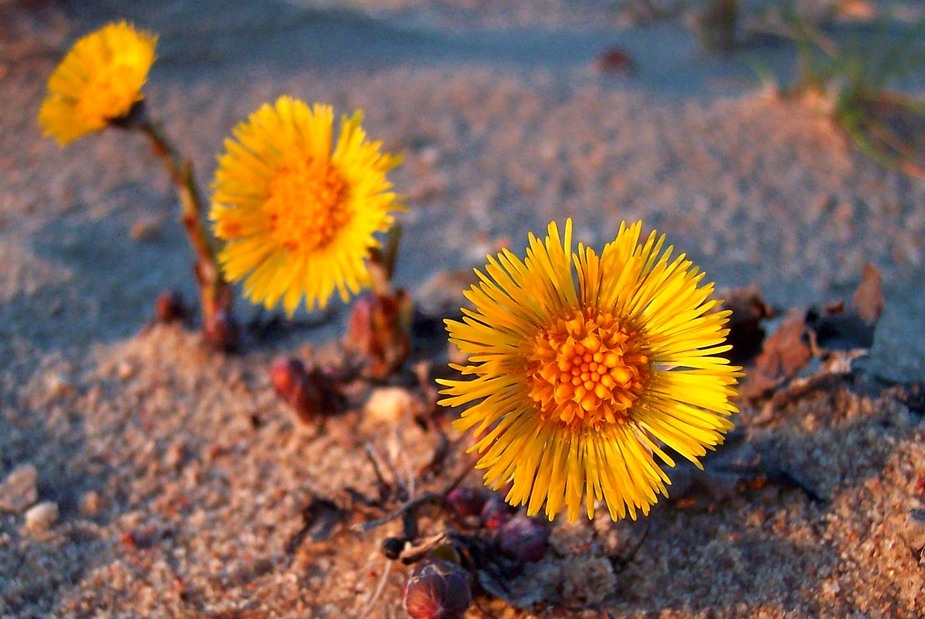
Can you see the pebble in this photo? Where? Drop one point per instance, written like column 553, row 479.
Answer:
column 40, row 518
column 389, row 404
column 91, row 503
column 19, row 490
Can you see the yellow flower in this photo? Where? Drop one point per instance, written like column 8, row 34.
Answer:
column 587, row 368
column 300, row 219
column 98, row 81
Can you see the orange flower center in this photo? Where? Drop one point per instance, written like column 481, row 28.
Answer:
column 307, row 205
column 587, row 370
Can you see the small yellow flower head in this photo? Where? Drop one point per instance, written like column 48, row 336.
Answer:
column 300, row 219
column 586, row 368
column 98, row 81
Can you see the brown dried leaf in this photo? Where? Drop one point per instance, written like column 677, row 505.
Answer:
column 746, row 334
column 785, row 353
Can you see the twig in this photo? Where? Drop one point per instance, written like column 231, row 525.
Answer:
column 371, row 604
column 421, row 499
column 383, row 484
column 427, row 497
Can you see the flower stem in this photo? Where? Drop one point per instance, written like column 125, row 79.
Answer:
column 215, row 294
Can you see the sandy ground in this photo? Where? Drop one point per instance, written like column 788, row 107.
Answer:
column 179, row 479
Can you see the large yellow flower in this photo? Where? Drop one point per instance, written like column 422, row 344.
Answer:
column 300, row 219
column 586, row 368
column 98, row 81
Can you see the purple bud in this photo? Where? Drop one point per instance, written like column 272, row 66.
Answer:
column 437, row 590
column 465, row 502
column 523, row 538
column 495, row 513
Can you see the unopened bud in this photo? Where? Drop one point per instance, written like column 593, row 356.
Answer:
column 379, row 330
column 294, row 386
column 437, row 590
column 495, row 513
column 169, row 307
column 523, row 538
column 222, row 331
column 465, row 502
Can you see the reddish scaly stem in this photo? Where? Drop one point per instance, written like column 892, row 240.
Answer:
column 216, row 295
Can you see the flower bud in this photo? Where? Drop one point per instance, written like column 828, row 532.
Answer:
column 292, row 384
column 523, row 538
column 379, row 330
column 437, row 590
column 222, row 331
column 169, row 307
column 495, row 513
column 309, row 393
column 465, row 502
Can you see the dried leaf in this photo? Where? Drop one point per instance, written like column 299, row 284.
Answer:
column 785, row 353
column 746, row 334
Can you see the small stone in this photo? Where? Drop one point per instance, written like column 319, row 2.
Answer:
column 174, row 456
column 389, row 404
column 41, row 517
column 125, row 370
column 19, row 490
column 91, row 503
column 58, row 386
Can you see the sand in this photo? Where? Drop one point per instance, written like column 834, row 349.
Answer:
column 179, row 481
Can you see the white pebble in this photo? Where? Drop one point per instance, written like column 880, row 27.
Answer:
column 41, row 517
column 389, row 404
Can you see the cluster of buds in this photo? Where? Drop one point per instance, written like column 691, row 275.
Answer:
column 518, row 537
column 438, row 587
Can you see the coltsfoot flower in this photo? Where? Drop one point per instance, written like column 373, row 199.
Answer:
column 97, row 82
column 299, row 219
column 585, row 368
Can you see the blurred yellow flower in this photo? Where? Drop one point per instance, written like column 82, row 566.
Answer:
column 299, row 219
column 586, row 368
column 98, row 81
